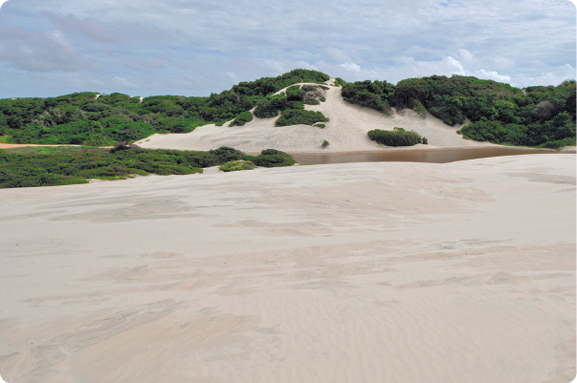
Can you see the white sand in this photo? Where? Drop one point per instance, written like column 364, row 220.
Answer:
column 360, row 272
column 346, row 131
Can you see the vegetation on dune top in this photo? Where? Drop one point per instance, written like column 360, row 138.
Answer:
column 93, row 120
column 535, row 116
column 500, row 113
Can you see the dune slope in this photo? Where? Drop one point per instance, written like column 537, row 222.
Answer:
column 360, row 272
column 346, row 130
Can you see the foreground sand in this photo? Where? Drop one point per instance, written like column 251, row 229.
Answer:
column 360, row 272
column 346, row 131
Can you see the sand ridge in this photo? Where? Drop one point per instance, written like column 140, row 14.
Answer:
column 346, row 130
column 359, row 272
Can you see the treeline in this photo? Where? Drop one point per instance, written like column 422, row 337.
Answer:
column 93, row 120
column 500, row 113
column 44, row 166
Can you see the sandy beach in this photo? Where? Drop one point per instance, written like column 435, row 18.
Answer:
column 357, row 272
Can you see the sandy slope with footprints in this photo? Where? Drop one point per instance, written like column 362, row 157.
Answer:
column 359, row 272
column 346, row 131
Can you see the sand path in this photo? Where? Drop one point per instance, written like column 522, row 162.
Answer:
column 359, row 272
column 346, row 131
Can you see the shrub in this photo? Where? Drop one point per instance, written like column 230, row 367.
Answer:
column 425, row 141
column 242, row 119
column 322, row 126
column 271, row 106
column 324, row 144
column 397, row 137
column 295, row 117
column 234, row 166
column 271, row 158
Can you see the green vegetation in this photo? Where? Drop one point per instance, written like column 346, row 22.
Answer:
column 325, row 144
column 541, row 116
column 43, row 166
column 234, row 166
column 242, row 119
column 296, row 116
column 318, row 124
column 93, row 120
column 270, row 106
column 370, row 94
column 396, row 137
column 270, row 158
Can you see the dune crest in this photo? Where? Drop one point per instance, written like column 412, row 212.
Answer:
column 346, row 131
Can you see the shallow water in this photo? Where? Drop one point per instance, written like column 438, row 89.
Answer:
column 440, row 155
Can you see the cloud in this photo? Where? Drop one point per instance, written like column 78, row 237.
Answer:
column 189, row 46
column 492, row 75
column 39, row 51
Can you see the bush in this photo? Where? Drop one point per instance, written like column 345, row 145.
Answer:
column 397, row 137
column 324, row 144
column 271, row 106
column 242, row 119
column 318, row 124
column 369, row 94
column 234, row 166
column 296, row 117
column 271, row 158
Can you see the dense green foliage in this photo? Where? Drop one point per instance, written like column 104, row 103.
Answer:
column 396, row 137
column 325, row 144
column 268, row 85
column 242, row 119
column 43, row 166
column 369, row 94
column 297, row 116
column 270, row 158
column 500, row 113
column 271, row 106
column 234, row 166
column 90, row 119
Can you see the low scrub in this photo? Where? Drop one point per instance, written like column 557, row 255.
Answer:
column 234, row 166
column 271, row 106
column 43, row 166
column 270, row 158
column 397, row 137
column 296, row 117
column 241, row 119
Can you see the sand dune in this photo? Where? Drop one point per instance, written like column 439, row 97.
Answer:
column 359, row 272
column 346, row 131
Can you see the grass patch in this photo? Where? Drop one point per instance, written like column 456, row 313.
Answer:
column 320, row 125
column 234, row 166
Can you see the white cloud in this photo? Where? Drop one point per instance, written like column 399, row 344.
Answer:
column 204, row 39
column 555, row 77
column 351, row 67
column 492, row 75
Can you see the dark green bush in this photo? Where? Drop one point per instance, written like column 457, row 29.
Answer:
column 397, row 137
column 39, row 166
column 369, row 94
column 242, row 119
column 295, row 117
column 271, row 158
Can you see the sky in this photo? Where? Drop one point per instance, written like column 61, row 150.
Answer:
column 199, row 47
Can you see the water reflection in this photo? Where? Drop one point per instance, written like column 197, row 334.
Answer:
column 440, row 155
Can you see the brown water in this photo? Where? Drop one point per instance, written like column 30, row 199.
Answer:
column 440, row 155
